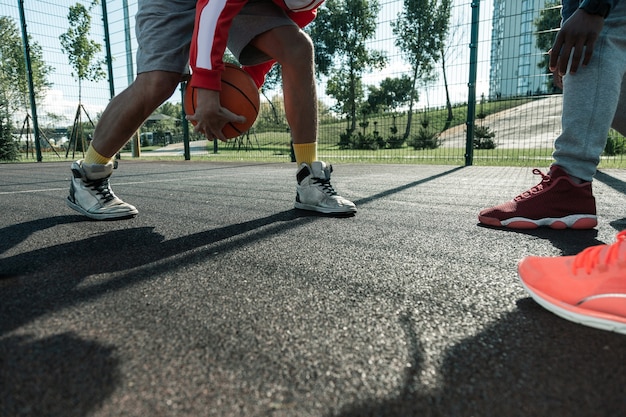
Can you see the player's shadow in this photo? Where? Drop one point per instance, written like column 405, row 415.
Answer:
column 528, row 363
column 15, row 234
column 47, row 279
column 37, row 376
column 57, row 376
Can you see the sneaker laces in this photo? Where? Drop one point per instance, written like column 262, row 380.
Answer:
column 102, row 188
column 545, row 180
column 601, row 255
column 324, row 184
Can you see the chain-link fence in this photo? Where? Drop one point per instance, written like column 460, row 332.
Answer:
column 486, row 99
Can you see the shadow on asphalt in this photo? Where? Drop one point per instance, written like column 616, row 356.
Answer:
column 615, row 183
column 404, row 187
column 36, row 373
column 505, row 369
column 568, row 241
column 491, row 373
column 67, row 264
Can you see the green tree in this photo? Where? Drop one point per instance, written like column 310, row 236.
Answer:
column 391, row 94
column 13, row 77
column 340, row 33
column 449, row 52
column 9, row 150
column 170, row 109
column 14, row 91
column 81, row 51
column 81, row 54
column 547, row 25
column 168, row 127
column 273, row 80
column 420, row 32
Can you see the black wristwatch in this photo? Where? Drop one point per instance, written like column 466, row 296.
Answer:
column 597, row 7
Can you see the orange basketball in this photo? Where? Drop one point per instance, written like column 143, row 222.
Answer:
column 239, row 95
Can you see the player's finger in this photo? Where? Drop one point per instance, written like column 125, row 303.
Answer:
column 576, row 57
column 554, row 53
column 589, row 50
column 561, row 66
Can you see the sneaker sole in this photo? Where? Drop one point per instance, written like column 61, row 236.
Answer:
column 579, row 222
column 589, row 318
column 325, row 210
column 95, row 216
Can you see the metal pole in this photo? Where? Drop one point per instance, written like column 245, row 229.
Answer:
column 187, row 151
column 29, row 74
column 107, row 42
column 130, row 72
column 471, row 99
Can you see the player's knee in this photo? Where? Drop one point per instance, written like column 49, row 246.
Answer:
column 157, row 85
column 297, row 51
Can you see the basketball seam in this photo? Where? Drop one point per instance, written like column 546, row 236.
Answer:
column 242, row 93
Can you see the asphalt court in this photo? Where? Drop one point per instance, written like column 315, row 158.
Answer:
column 220, row 299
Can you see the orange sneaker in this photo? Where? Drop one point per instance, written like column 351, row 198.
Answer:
column 589, row 288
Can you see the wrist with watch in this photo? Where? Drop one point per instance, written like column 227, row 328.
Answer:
column 597, row 7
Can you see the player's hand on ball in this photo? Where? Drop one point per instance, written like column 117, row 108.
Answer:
column 224, row 114
column 210, row 117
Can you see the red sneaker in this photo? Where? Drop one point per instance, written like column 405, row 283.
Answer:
column 555, row 202
column 589, row 288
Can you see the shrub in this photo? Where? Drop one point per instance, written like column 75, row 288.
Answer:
column 345, row 140
column 365, row 141
column 483, row 137
column 395, row 141
column 615, row 146
column 425, row 139
column 9, row 150
column 368, row 141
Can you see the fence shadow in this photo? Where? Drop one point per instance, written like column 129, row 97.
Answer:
column 615, row 183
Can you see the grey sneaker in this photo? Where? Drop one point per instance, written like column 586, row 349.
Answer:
column 315, row 193
column 91, row 194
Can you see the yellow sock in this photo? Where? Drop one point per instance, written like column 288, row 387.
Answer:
column 93, row 157
column 305, row 152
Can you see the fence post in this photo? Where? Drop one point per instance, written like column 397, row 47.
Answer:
column 186, row 150
column 107, row 43
column 471, row 86
column 29, row 73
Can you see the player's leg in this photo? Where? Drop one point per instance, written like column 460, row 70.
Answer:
column 164, row 31
column 591, row 98
column 128, row 110
column 619, row 121
column 262, row 32
column 293, row 49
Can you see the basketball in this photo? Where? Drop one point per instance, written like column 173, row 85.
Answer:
column 239, row 95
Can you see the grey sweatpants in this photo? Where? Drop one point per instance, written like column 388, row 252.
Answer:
column 594, row 100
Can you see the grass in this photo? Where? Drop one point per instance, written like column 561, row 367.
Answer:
column 272, row 146
column 276, row 152
column 539, row 157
